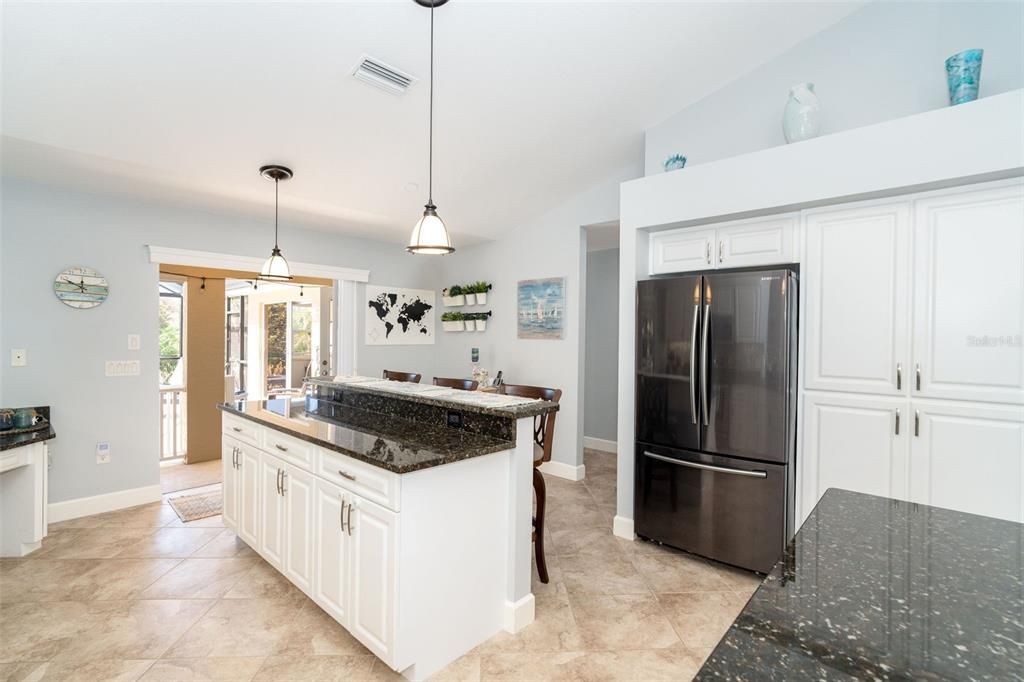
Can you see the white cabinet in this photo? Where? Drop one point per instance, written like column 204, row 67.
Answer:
column 330, row 574
column 299, row 489
column 271, row 505
column 742, row 243
column 765, row 241
column 969, row 457
column 249, row 495
column 681, row 250
column 856, row 284
column 969, row 295
column 372, row 549
column 229, row 482
column 854, row 442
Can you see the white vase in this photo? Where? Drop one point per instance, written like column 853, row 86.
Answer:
column 801, row 119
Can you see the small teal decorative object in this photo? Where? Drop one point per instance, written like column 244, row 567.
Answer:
column 963, row 74
column 674, row 162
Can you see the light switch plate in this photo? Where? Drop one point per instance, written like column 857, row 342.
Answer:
column 134, row 342
column 122, row 368
column 19, row 357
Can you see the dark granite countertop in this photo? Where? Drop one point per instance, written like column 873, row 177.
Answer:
column 387, row 441
column 465, row 401
column 873, row 588
column 9, row 441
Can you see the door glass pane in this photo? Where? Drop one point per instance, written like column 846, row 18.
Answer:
column 275, row 316
column 171, row 338
column 302, row 341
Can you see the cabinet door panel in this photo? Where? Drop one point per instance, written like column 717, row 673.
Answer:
column 249, row 495
column 331, row 575
column 767, row 241
column 856, row 282
column 299, row 497
column 851, row 442
column 969, row 457
column 682, row 250
column 271, row 544
column 372, row 546
column 229, row 478
column 969, row 295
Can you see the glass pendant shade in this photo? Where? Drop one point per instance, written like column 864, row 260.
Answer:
column 429, row 235
column 276, row 268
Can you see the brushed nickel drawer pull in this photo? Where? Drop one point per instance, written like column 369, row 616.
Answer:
column 917, row 422
column 708, row 467
column 281, row 447
column 917, row 371
column 345, row 474
column 897, row 421
column 236, row 429
column 341, row 516
column 350, row 507
column 899, row 376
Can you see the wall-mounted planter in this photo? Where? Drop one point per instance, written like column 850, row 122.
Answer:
column 454, row 301
column 456, row 326
column 481, row 325
column 481, row 299
column 470, row 299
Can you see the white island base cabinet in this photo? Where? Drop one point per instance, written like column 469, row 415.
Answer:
column 419, row 580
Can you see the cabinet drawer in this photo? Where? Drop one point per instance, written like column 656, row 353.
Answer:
column 293, row 450
column 242, row 429
column 372, row 483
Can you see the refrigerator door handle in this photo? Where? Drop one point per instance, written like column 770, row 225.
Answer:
column 693, row 364
column 707, row 467
column 704, row 364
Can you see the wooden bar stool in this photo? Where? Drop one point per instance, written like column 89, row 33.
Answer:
column 543, row 435
column 461, row 384
column 411, row 377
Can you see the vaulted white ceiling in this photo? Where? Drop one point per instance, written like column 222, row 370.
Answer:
column 183, row 101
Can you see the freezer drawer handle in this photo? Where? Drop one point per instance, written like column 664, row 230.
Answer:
column 693, row 364
column 708, row 467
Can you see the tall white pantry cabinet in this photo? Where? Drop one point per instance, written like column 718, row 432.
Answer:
column 913, row 356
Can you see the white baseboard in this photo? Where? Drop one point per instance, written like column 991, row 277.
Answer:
column 97, row 504
column 623, row 528
column 601, row 444
column 562, row 470
column 519, row 614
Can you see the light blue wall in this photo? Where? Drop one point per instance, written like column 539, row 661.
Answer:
column 600, row 378
column 883, row 62
column 46, row 229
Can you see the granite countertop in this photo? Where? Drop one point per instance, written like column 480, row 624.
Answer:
column 9, row 441
column 874, row 588
column 387, row 441
column 465, row 401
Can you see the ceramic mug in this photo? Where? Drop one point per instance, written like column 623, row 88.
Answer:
column 6, row 419
column 25, row 418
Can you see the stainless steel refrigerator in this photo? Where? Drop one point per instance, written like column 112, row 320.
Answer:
column 716, row 414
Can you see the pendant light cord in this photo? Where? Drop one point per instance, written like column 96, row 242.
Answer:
column 430, row 145
column 277, row 181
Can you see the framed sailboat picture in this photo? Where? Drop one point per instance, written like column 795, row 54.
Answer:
column 541, row 308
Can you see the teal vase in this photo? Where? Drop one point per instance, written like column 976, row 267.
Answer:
column 963, row 75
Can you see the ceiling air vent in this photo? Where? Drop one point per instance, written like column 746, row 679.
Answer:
column 379, row 74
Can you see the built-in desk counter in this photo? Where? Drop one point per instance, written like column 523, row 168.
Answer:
column 24, row 488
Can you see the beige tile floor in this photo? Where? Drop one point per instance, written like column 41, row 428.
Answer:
column 184, row 476
column 138, row 595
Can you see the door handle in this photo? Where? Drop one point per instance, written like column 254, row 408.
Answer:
column 350, row 506
column 917, row 422
column 707, row 467
column 693, row 364
column 707, row 251
column 281, row 447
column 897, row 421
column 721, row 258
column 917, row 373
column 341, row 516
column 345, row 474
column 704, row 363
column 899, row 376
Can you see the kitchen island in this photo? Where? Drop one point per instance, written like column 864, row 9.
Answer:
column 24, row 494
column 403, row 510
column 875, row 588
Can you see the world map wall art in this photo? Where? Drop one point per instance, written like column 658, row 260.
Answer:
column 396, row 317
column 541, row 308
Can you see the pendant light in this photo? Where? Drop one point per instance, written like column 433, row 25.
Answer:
column 275, row 269
column 429, row 235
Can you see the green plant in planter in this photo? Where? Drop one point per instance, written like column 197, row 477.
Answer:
column 453, row 317
column 477, row 288
column 454, row 290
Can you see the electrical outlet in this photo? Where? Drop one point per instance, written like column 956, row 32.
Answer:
column 134, row 342
column 19, row 357
column 103, row 453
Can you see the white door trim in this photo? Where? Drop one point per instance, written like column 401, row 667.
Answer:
column 227, row 261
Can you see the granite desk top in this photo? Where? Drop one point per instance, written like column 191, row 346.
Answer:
column 494, row 404
column 874, row 588
column 9, row 440
column 387, row 441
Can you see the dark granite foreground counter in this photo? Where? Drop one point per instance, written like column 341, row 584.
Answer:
column 9, row 441
column 384, row 440
column 873, row 588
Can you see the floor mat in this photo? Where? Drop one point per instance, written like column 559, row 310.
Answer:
column 195, row 507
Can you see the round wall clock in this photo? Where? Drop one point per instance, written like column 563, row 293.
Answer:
column 81, row 287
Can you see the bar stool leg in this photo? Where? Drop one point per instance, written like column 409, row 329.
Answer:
column 538, row 524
